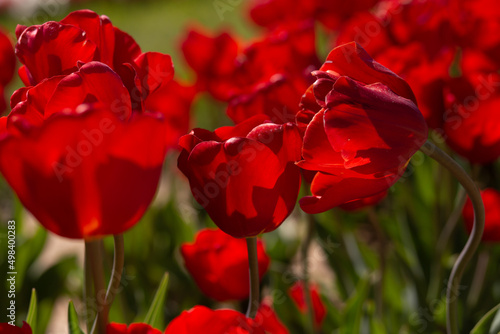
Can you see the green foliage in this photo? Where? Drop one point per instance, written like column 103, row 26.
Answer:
column 154, row 316
column 73, row 322
column 31, row 318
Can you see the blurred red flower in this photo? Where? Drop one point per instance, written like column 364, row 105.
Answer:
column 213, row 59
column 137, row 328
column 296, row 292
column 491, row 200
column 7, row 66
column 361, row 127
column 244, row 175
column 79, row 148
column 272, row 13
column 5, row 328
column 266, row 77
column 201, row 319
column 471, row 125
column 219, row 264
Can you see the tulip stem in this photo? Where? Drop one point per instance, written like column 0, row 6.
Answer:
column 305, row 271
column 253, row 265
column 116, row 273
column 88, row 291
column 93, row 250
column 475, row 237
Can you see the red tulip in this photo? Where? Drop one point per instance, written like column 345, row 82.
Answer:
column 7, row 66
column 201, row 319
column 472, row 127
column 59, row 48
column 5, row 328
column 273, row 75
column 219, row 264
column 267, row 77
column 244, row 175
column 213, row 59
column 80, row 160
column 361, row 128
column 491, row 200
column 137, row 328
column 296, row 292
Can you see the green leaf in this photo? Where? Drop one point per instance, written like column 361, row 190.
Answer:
column 154, row 317
column 484, row 325
column 32, row 312
column 73, row 322
column 354, row 309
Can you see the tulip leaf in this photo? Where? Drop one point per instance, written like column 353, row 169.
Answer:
column 73, row 322
column 486, row 324
column 353, row 315
column 32, row 312
column 154, row 316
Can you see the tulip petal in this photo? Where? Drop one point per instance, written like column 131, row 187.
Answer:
column 373, row 128
column 239, row 191
column 52, row 49
column 93, row 83
column 352, row 60
column 69, row 172
column 330, row 191
column 98, row 29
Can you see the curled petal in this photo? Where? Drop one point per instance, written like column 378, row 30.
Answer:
column 352, row 60
column 330, row 191
column 93, row 83
column 154, row 70
column 52, row 49
column 98, row 29
column 373, row 128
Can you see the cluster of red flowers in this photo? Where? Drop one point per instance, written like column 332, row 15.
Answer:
column 84, row 144
column 449, row 53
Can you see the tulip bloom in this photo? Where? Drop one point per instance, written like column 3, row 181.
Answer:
column 471, row 127
column 491, row 200
column 58, row 48
column 137, row 328
column 9, row 329
column 80, row 160
column 244, row 176
column 219, row 264
column 361, row 127
column 201, row 319
column 296, row 292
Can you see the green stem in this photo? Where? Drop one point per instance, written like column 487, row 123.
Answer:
column 88, row 291
column 253, row 266
column 93, row 249
column 116, row 273
column 443, row 240
column 475, row 237
column 305, row 271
